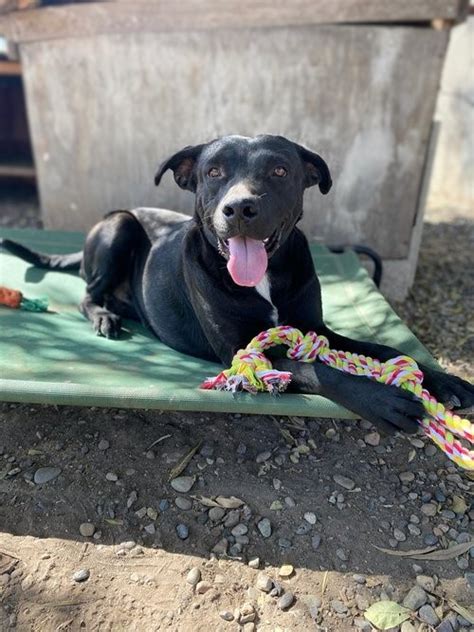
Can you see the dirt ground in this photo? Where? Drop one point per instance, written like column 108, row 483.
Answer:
column 108, row 542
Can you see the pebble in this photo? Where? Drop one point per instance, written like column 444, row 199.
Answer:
column 310, row 517
column 430, row 539
column 399, row 535
column 265, row 527
column 315, row 541
column 286, row 600
column 338, row 606
column 429, row 509
column 342, row 555
column 216, row 514
column 254, row 562
column 103, row 444
column 87, row 529
column 240, row 529
column 226, row 615
column 182, row 484
column 344, row 481
column 407, row 626
column 426, row 582
column 183, row 503
column 430, row 450
column 232, row 518
column 406, row 477
column 221, row 547
column 82, row 575
column 303, row 528
column 373, row 438
column 286, row 570
column 415, row 598
column 264, row 582
column 445, row 626
column 164, row 504
column 182, row 531
column 289, row 502
column 428, row 615
column 202, row 587
column 247, row 613
column 263, row 456
column 150, row 528
column 359, row 579
column 46, row 474
column 112, row 477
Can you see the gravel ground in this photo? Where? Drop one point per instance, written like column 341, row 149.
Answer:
column 272, row 524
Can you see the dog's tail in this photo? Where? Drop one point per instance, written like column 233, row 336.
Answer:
column 40, row 260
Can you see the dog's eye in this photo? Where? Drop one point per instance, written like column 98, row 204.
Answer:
column 215, row 172
column 280, row 172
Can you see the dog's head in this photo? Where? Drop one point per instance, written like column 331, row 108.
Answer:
column 249, row 195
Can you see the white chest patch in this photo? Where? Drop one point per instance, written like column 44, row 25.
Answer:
column 263, row 288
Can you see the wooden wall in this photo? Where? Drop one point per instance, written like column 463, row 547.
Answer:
column 105, row 110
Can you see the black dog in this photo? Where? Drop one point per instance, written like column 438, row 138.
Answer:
column 205, row 286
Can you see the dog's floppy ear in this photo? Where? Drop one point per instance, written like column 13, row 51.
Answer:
column 316, row 170
column 183, row 166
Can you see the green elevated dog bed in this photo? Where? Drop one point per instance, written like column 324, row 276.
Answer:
column 54, row 358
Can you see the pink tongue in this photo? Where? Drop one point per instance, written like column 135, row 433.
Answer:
column 248, row 261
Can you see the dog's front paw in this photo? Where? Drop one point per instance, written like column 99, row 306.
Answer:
column 450, row 390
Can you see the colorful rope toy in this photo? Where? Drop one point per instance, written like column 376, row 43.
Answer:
column 252, row 371
column 16, row 300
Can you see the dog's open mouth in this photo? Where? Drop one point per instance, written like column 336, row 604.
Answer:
column 247, row 258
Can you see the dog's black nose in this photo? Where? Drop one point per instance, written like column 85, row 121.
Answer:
column 240, row 209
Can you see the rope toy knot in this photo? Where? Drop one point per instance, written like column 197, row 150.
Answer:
column 252, row 371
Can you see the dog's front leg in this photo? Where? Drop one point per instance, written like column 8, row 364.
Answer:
column 448, row 389
column 388, row 407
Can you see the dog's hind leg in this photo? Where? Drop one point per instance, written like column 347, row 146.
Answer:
column 109, row 255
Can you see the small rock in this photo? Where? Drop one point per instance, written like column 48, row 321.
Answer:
column 254, row 562
column 182, row 531
column 310, row 517
column 430, row 450
column 430, row 539
column 289, row 502
column 46, row 474
column 342, row 555
column 469, row 577
column 263, row 456
column 202, row 587
column 216, row 513
column 265, row 527
column 399, row 535
column 315, row 541
column 87, row 529
column 232, row 518
column 112, row 477
column 416, row 598
column 428, row 615
column 286, row 600
column 152, row 513
column 426, row 582
column 194, row 576
column 408, row 627
column 150, row 528
column 226, row 615
column 183, row 503
column 264, row 582
column 182, row 484
column 247, row 613
column 338, row 606
column 373, row 438
column 221, row 547
column 359, row 579
column 344, row 481
column 429, row 509
column 240, row 529
column 446, row 625
column 286, row 570
column 103, row 444
column 132, row 499
column 82, row 575
column 406, row 477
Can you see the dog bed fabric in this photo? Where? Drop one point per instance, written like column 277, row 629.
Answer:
column 55, row 358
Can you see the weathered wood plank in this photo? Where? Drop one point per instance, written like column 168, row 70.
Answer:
column 104, row 112
column 87, row 20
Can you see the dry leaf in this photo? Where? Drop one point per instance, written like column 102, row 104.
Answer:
column 230, row 502
column 464, row 612
column 204, row 500
column 114, row 522
column 386, row 614
column 431, row 553
column 459, row 505
column 181, row 466
column 325, row 581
